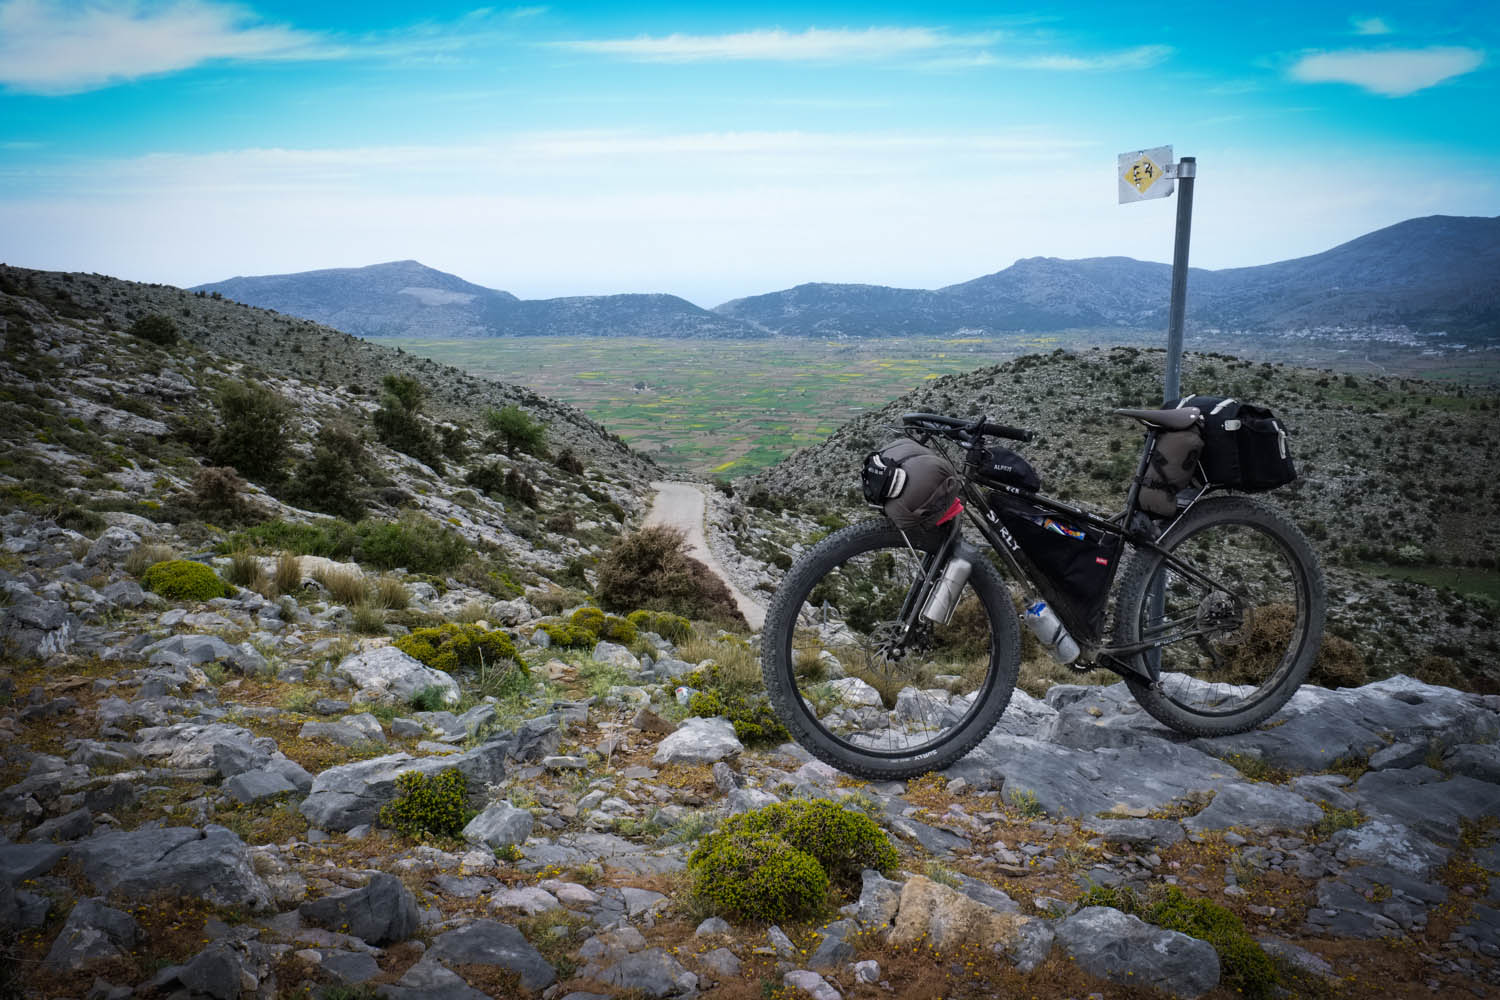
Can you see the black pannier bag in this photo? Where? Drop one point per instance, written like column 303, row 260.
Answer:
column 913, row 484
column 1074, row 560
column 1173, row 468
column 1244, row 445
column 1003, row 467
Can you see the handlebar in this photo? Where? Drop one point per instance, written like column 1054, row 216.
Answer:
column 954, row 427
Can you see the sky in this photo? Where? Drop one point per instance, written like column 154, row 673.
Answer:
column 716, row 151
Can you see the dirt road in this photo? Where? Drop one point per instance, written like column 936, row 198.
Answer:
column 681, row 506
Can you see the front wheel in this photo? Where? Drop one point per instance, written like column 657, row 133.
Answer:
column 1233, row 606
column 858, row 689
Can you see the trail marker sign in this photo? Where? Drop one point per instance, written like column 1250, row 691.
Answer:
column 1145, row 174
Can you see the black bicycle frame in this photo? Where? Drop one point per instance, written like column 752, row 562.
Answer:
column 1121, row 659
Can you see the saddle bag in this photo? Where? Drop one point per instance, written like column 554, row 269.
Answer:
column 1173, row 468
column 1244, row 445
column 1073, row 561
column 914, row 485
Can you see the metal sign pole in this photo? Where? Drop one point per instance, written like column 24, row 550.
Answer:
column 1187, row 170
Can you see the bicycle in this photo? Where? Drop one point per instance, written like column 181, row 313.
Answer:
column 1217, row 616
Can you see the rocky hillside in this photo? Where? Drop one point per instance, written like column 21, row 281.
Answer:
column 238, row 797
column 406, row 299
column 1436, row 273
column 250, row 748
column 1386, row 483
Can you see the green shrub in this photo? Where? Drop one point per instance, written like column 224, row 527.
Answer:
column 569, row 636
column 619, row 630
column 185, row 580
column 514, row 430
column 844, row 842
column 415, row 542
column 432, row 698
column 757, row 878
column 252, row 436
column 1247, row 968
column 673, row 628
column 591, row 619
column 330, row 479
column 755, row 721
column 328, row 538
column 428, row 804
column 451, row 646
column 219, row 494
column 650, row 569
column 487, row 478
column 156, row 328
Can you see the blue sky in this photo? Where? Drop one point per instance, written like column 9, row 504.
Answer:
column 721, row 151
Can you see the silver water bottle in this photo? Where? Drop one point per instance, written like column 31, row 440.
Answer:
column 1050, row 631
column 944, row 597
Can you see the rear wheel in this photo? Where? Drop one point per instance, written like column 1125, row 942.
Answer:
column 854, row 687
column 1240, row 617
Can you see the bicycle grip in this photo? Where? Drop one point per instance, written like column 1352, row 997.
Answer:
column 1006, row 431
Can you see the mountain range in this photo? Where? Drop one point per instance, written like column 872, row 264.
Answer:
column 1437, row 273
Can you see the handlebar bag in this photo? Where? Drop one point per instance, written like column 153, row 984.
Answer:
column 913, row 484
column 1002, row 467
column 1244, row 445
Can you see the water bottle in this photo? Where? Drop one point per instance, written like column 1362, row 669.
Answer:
column 1049, row 629
column 944, row 598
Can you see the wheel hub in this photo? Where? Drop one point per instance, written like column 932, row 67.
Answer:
column 1220, row 618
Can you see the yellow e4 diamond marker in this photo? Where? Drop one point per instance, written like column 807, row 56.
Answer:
column 1145, row 173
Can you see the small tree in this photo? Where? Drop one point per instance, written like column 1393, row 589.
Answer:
column 515, row 430
column 397, row 422
column 156, row 328
column 330, row 479
column 252, row 435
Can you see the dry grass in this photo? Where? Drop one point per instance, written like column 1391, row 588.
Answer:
column 348, row 586
column 369, row 618
column 147, row 555
column 245, row 571
column 473, row 611
column 390, row 593
column 288, row 573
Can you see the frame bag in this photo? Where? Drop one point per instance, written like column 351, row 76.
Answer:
column 914, row 485
column 1244, row 445
column 1076, row 562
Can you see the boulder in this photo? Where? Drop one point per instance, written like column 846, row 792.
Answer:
column 112, row 545
column 948, row 920
column 699, row 741
column 879, row 898
column 212, row 863
column 616, row 656
column 382, row 912
column 38, row 629
column 499, row 826
column 652, row 972
column 486, row 942
column 94, row 932
column 392, row 674
column 351, row 795
column 230, row 750
column 255, row 786
column 1253, row 805
column 1124, row 949
column 810, row 983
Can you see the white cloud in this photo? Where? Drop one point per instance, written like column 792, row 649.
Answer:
column 775, row 44
column 1390, row 72
column 1370, row 26
column 1140, row 57
column 65, row 48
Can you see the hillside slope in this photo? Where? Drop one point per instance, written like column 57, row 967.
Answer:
column 1434, row 273
column 407, row 299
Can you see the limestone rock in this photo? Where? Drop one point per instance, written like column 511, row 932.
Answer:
column 1124, row 949
column 212, row 863
column 499, row 826
column 384, row 911
column 393, row 674
column 699, row 741
column 93, row 932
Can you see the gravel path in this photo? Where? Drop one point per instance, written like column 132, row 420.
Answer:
column 681, row 505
